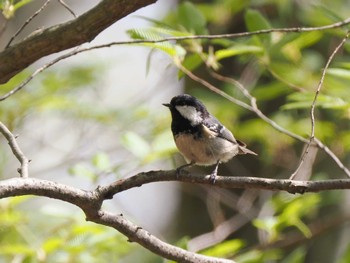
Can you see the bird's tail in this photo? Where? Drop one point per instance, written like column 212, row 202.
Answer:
column 243, row 148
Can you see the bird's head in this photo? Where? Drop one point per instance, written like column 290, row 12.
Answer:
column 188, row 107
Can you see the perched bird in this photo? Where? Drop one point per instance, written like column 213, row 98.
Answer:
column 199, row 136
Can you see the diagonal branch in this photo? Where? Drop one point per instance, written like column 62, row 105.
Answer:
column 11, row 139
column 67, row 35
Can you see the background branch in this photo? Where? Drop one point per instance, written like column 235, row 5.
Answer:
column 11, row 139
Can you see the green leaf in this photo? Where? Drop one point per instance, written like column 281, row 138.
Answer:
column 269, row 224
column 21, row 3
column 302, row 228
column 237, row 50
column 191, row 18
column 191, row 62
column 255, row 21
column 16, row 249
column 225, row 249
column 143, row 34
column 151, row 34
column 339, row 72
column 52, row 244
column 305, row 99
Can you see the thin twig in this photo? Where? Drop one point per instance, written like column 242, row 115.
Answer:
column 11, row 139
column 213, row 88
column 67, row 7
column 313, row 105
column 27, row 22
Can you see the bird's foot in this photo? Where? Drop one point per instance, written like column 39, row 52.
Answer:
column 214, row 173
column 212, row 178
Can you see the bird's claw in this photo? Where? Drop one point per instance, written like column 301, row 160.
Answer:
column 212, row 178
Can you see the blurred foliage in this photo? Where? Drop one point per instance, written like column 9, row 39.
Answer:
column 281, row 70
column 55, row 237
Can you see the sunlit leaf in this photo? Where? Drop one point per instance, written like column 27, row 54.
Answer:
column 339, row 72
column 304, row 100
column 225, row 249
column 237, row 50
column 16, row 249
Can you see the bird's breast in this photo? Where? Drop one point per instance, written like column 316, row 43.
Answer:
column 205, row 150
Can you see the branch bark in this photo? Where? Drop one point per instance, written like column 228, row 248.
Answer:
column 11, row 139
column 67, row 35
column 291, row 186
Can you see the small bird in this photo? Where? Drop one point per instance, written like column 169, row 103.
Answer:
column 199, row 136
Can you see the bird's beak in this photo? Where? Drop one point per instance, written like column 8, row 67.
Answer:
column 166, row 105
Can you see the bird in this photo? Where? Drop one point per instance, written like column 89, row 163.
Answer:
column 200, row 137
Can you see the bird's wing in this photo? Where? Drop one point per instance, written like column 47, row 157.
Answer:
column 214, row 128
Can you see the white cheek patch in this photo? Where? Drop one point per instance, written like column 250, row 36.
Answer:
column 190, row 113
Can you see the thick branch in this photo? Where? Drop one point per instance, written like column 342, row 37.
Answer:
column 67, row 35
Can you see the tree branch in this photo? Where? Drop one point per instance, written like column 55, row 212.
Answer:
column 11, row 139
column 70, row 34
column 290, row 186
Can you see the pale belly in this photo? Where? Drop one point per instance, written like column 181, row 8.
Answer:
column 206, row 151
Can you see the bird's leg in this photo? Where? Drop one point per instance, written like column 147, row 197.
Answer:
column 214, row 173
column 179, row 169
